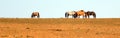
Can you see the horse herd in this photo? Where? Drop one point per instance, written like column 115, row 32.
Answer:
column 74, row 14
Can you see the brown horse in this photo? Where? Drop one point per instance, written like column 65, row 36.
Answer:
column 35, row 14
column 79, row 13
column 88, row 13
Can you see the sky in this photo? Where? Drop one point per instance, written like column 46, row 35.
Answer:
column 57, row 8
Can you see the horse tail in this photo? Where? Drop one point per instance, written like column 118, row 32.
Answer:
column 38, row 15
column 32, row 15
column 86, row 14
column 94, row 15
column 66, row 14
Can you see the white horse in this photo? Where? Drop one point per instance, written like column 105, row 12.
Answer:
column 70, row 13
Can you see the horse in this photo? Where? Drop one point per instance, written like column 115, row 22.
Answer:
column 35, row 14
column 88, row 13
column 79, row 13
column 70, row 13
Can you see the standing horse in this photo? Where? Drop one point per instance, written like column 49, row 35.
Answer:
column 80, row 13
column 88, row 13
column 35, row 14
column 70, row 13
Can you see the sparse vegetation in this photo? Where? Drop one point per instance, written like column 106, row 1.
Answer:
column 59, row 28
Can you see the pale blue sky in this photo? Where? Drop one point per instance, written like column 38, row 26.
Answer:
column 57, row 8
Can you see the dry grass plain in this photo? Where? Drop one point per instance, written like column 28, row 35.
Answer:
column 59, row 28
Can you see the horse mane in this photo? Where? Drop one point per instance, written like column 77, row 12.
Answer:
column 82, row 10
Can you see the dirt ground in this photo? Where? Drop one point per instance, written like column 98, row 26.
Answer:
column 59, row 28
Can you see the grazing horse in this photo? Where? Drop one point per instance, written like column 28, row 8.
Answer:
column 88, row 13
column 70, row 13
column 35, row 14
column 80, row 13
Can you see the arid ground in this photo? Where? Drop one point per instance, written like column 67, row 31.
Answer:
column 59, row 28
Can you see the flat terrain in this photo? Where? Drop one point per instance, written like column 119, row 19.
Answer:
column 59, row 28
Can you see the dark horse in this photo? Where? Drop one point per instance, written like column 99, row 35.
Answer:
column 88, row 13
column 35, row 14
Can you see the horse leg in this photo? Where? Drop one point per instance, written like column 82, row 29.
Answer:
column 32, row 16
column 73, row 16
column 78, row 16
column 67, row 15
column 88, row 16
column 83, row 16
column 94, row 15
column 38, row 15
